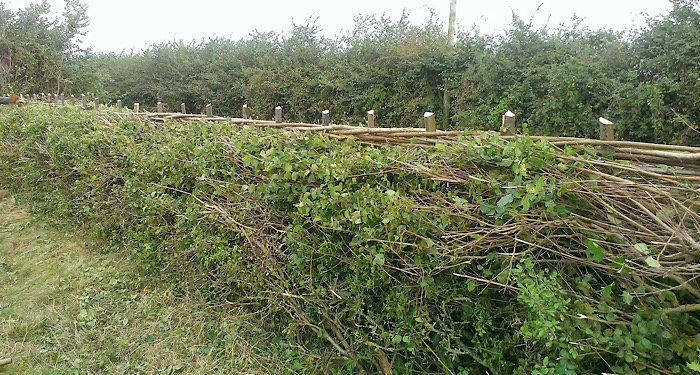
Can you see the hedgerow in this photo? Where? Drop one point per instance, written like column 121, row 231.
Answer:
column 480, row 256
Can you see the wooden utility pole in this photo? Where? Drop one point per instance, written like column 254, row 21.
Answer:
column 447, row 101
column 453, row 22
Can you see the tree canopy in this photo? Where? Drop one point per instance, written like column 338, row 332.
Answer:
column 34, row 48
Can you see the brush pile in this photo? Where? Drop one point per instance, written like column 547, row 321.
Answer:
column 479, row 254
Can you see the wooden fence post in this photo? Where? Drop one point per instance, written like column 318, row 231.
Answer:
column 370, row 119
column 245, row 111
column 278, row 114
column 183, row 108
column 57, row 100
column 326, row 117
column 119, row 105
column 97, row 104
column 136, row 107
column 607, row 132
column 83, row 100
column 209, row 111
column 160, row 107
column 508, row 125
column 430, row 125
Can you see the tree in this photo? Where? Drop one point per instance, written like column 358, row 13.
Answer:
column 72, row 26
column 34, row 48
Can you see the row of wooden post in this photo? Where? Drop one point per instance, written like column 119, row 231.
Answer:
column 508, row 128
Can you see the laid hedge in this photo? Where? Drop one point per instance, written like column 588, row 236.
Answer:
column 483, row 256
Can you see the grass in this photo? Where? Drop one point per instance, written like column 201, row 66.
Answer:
column 65, row 310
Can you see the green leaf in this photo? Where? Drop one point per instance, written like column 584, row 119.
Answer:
column 653, row 263
column 613, row 219
column 595, row 252
column 695, row 366
column 505, row 200
column 607, row 291
column 379, row 259
column 526, row 203
column 487, row 208
column 627, row 297
column 642, row 248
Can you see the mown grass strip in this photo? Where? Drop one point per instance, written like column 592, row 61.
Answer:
column 66, row 310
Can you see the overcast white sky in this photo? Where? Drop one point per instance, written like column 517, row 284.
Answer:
column 125, row 24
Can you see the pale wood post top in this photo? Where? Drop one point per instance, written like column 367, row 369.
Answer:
column 430, row 124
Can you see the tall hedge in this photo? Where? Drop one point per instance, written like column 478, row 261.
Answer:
column 558, row 80
column 486, row 256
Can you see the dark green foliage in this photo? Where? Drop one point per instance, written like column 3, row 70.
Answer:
column 667, row 93
column 35, row 49
column 558, row 80
column 344, row 248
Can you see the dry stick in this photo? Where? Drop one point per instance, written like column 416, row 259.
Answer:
column 649, row 189
column 338, row 335
column 512, row 288
column 689, row 166
column 682, row 309
column 669, row 178
column 6, row 361
column 585, row 141
column 384, row 363
column 683, row 236
column 663, row 154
